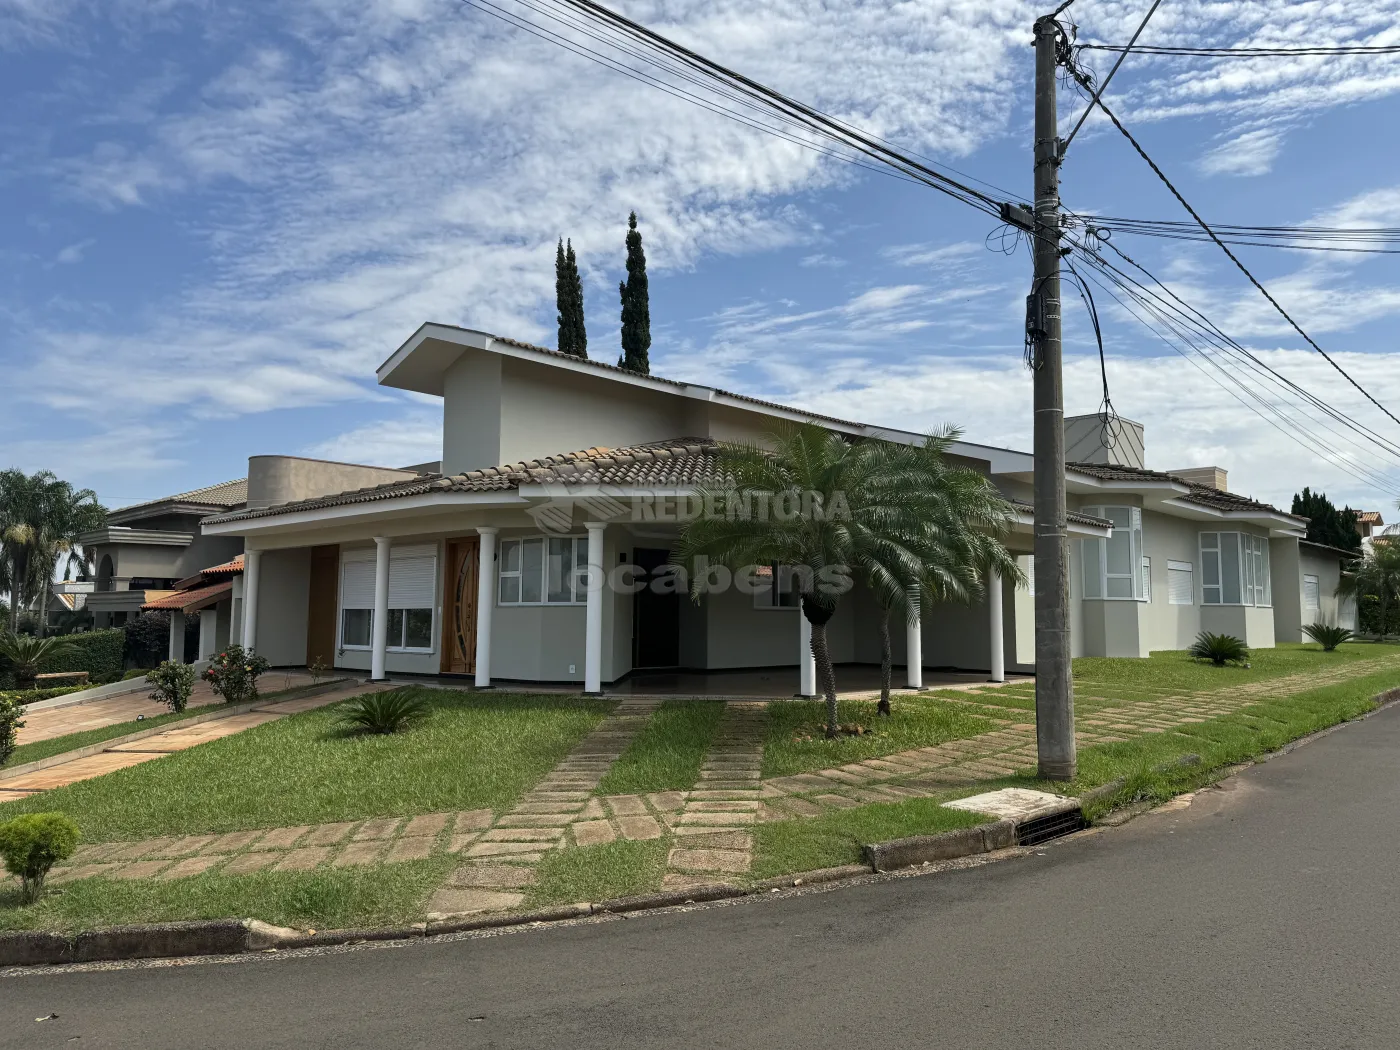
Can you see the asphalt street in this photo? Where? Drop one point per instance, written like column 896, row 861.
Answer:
column 1263, row 914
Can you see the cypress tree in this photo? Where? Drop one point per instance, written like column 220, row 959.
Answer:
column 568, row 301
column 636, row 306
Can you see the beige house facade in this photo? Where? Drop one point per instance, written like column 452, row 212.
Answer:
column 537, row 551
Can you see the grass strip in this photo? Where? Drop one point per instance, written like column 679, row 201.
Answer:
column 471, row 750
column 836, row 838
column 667, row 753
column 795, row 743
column 599, row 873
column 331, row 898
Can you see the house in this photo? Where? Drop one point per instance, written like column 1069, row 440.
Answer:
column 555, row 469
column 1369, row 525
column 207, row 594
column 144, row 550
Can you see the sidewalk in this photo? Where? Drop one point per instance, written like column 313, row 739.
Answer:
column 177, row 738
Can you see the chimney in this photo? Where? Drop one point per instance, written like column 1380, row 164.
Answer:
column 1210, row 477
column 1120, row 444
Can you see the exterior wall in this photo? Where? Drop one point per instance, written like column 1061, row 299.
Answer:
column 1164, row 538
column 1255, row 627
column 471, row 413
column 282, row 479
column 223, row 622
column 284, row 581
column 173, row 563
column 1020, row 608
column 359, row 659
column 235, row 632
column 1286, row 564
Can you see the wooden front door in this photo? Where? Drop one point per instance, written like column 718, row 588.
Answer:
column 321, row 606
column 459, row 606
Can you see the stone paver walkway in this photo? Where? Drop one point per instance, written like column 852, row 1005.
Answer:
column 177, row 738
column 713, row 834
column 500, row 863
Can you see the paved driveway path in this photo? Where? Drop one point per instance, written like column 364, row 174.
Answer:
column 1260, row 916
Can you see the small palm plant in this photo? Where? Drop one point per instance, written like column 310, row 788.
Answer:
column 1219, row 649
column 25, row 653
column 384, row 713
column 1327, row 636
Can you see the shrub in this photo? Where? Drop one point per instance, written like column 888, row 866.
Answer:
column 384, row 712
column 11, row 720
column 173, row 684
column 1327, row 636
column 147, row 638
column 99, row 653
column 25, row 653
column 233, row 673
column 32, row 844
column 1219, row 649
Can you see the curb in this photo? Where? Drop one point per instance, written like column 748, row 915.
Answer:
column 216, row 712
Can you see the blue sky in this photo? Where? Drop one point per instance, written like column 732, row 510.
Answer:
column 216, row 220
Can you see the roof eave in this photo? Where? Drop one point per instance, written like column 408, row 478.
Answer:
column 348, row 513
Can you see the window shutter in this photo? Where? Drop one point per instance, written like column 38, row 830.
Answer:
column 1181, row 583
column 1312, row 594
column 411, row 581
column 357, row 584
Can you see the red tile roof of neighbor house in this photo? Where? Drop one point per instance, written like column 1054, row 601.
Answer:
column 193, row 599
column 1369, row 517
column 236, row 565
column 1202, row 495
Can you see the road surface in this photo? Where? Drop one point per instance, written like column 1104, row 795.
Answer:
column 1264, row 914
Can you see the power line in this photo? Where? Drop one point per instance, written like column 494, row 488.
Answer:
column 1330, row 239
column 1225, row 248
column 1246, row 52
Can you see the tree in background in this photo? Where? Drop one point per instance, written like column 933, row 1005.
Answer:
column 24, row 510
column 1327, row 524
column 636, row 305
column 1374, row 582
column 568, row 300
column 70, row 513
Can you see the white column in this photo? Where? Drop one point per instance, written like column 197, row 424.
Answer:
column 914, row 650
column 252, row 562
column 380, row 625
column 485, row 603
column 593, row 634
column 208, row 625
column 998, row 634
column 177, row 637
column 807, row 677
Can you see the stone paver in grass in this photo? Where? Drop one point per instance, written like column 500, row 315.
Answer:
column 247, row 863
column 233, row 842
column 639, row 828
column 461, row 901
column 410, row 847
column 427, row 824
column 593, row 833
column 492, row 876
column 141, row 869
column 183, row 869
column 359, row 853
column 328, row 834
column 303, row 859
column 380, row 828
column 283, row 838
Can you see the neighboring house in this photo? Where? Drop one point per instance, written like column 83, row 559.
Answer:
column 207, row 594
column 479, row 569
column 1369, row 525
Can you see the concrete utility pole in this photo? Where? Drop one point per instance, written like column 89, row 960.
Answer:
column 1054, row 684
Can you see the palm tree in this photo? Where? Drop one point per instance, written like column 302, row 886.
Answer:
column 25, row 653
column 827, row 508
column 1377, row 573
column 957, row 546
column 23, row 499
column 69, row 513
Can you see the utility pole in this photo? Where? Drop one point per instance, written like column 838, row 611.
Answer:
column 1054, row 683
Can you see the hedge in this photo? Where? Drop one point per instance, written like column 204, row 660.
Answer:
column 99, row 653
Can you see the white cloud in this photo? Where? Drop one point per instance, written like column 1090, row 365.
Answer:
column 414, row 436
column 74, row 252
column 1252, row 153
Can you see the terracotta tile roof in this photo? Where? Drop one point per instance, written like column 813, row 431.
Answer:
column 225, row 494
column 1369, row 517
column 199, row 596
column 1202, row 495
column 236, row 565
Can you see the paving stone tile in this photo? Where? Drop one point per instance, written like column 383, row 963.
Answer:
column 626, row 805
column 183, row 869
column 592, row 811
column 523, row 834
column 247, row 863
column 232, row 842
column 798, row 807
column 141, row 869
column 639, row 827
column 674, row 880
column 473, row 820
column 411, row 847
column 492, row 876
column 357, row 853
column 379, row 828
column 328, row 834
column 461, row 840
column 708, row 860
column 427, row 824
column 667, row 801
column 593, row 832
column 533, row 820
column 556, row 796
column 708, row 838
column 303, row 859
column 723, row 806
column 88, row 871
column 837, row 801
column 717, row 818
column 452, row 901
column 92, row 852
column 555, row 808
column 144, row 848
column 283, row 838
column 502, row 849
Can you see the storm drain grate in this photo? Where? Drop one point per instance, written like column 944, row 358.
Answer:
column 1051, row 826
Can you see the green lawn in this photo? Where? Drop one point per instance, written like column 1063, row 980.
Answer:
column 333, row 898
column 599, row 873
column 472, row 750
column 795, row 743
column 666, row 754
column 836, row 838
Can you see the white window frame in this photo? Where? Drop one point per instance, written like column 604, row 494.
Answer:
column 1254, row 574
column 1094, row 557
column 1190, row 570
column 367, row 554
column 578, row 571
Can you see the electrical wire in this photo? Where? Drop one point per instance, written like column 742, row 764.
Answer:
column 1246, row 52
column 1330, row 239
